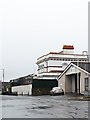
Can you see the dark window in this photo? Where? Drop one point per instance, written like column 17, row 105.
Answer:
column 86, row 83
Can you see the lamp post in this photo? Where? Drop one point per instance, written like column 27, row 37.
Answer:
column 2, row 75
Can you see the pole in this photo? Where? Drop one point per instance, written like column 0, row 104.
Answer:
column 3, row 75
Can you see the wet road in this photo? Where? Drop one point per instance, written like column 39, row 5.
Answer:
column 42, row 107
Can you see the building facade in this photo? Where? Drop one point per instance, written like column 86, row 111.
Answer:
column 53, row 64
column 75, row 79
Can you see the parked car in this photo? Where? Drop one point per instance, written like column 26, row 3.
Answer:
column 57, row 91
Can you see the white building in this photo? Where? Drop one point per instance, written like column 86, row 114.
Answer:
column 75, row 78
column 53, row 64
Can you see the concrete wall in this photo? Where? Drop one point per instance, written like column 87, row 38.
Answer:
column 68, row 84
column 82, row 82
column 73, row 83
column 23, row 89
column 68, row 51
column 62, row 81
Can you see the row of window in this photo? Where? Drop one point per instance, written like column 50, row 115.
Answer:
column 68, row 59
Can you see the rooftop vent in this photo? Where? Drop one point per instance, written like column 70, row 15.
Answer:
column 68, row 49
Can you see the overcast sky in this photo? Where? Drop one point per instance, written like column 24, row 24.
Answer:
column 31, row 28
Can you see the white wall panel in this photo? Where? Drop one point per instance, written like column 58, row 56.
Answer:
column 23, row 89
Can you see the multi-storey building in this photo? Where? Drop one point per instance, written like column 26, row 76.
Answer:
column 53, row 64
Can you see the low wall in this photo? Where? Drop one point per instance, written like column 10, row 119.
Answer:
column 22, row 89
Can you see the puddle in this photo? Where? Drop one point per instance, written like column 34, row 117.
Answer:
column 41, row 107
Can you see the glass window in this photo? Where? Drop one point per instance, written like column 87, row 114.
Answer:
column 86, row 84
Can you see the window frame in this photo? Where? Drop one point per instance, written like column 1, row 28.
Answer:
column 86, row 83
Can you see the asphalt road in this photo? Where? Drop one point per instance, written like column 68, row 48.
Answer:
column 42, row 107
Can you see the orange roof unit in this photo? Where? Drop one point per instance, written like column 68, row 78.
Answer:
column 68, row 47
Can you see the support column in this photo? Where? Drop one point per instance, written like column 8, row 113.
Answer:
column 78, row 83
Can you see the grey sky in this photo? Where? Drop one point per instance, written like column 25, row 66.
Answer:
column 31, row 28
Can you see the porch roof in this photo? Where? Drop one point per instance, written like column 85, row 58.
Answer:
column 85, row 66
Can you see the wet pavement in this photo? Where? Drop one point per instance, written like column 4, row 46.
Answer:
column 43, row 107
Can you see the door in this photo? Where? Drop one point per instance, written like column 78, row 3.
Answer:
column 77, row 83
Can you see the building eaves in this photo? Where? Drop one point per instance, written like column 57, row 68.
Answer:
column 76, row 64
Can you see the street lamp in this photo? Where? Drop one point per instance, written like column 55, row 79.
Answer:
column 2, row 74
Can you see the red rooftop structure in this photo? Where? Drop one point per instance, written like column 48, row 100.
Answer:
column 68, row 47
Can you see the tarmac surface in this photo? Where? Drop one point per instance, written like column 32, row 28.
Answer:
column 42, row 107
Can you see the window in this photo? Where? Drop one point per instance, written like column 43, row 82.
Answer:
column 40, row 66
column 86, row 84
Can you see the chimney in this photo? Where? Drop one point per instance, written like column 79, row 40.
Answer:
column 68, row 49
